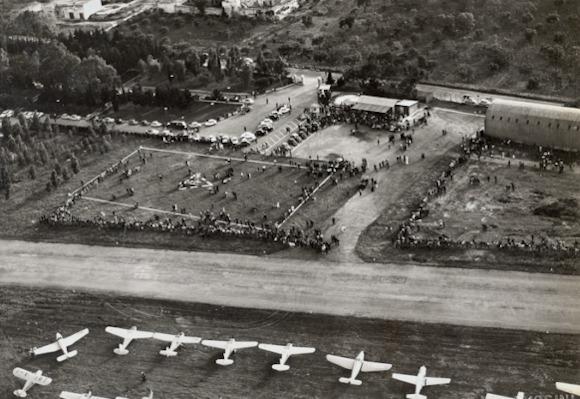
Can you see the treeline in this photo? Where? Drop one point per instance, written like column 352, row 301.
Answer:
column 39, row 145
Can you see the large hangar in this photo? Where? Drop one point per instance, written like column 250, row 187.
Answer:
column 534, row 123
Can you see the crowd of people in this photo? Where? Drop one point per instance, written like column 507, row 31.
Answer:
column 209, row 222
column 405, row 236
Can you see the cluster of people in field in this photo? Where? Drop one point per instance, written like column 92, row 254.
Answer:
column 405, row 236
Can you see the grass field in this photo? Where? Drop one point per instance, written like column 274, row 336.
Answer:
column 477, row 360
column 157, row 183
column 197, row 111
column 543, row 204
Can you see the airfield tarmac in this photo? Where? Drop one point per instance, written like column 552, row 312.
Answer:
column 483, row 298
column 478, row 360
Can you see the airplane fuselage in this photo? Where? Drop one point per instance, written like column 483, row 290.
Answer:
column 229, row 349
column 420, row 380
column 60, row 342
column 357, row 366
column 286, row 355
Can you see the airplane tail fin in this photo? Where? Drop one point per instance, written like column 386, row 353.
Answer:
column 120, row 351
column 20, row 393
column 416, row 396
column 280, row 367
column 345, row 380
column 224, row 362
column 168, row 353
column 65, row 356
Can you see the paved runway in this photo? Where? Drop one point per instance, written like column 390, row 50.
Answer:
column 471, row 297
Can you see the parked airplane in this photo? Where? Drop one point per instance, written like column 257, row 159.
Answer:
column 72, row 395
column 357, row 365
column 128, row 336
column 176, row 341
column 30, row 380
column 285, row 352
column 520, row 395
column 228, row 347
column 420, row 380
column 568, row 388
column 62, row 344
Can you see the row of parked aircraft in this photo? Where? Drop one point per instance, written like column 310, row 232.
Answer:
column 356, row 365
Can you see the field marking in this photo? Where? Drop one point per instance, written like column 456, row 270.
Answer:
column 100, row 174
column 305, row 200
column 154, row 210
column 221, row 157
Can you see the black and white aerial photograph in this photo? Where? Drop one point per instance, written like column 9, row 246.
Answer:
column 298, row 199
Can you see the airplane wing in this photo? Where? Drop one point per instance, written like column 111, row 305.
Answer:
column 28, row 376
column 215, row 344
column 409, row 379
column 569, row 388
column 71, row 395
column 279, row 349
column 46, row 349
column 191, row 340
column 71, row 339
column 493, row 396
column 298, row 350
column 125, row 333
column 375, row 366
column 343, row 362
column 245, row 344
column 164, row 337
column 436, row 381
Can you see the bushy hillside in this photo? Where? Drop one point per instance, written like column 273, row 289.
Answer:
column 522, row 45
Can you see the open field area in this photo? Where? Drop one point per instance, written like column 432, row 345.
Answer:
column 543, row 204
column 477, row 360
column 198, row 112
column 261, row 192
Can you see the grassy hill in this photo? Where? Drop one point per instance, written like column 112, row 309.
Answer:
column 521, row 45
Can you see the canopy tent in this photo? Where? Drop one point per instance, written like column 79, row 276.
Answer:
column 375, row 104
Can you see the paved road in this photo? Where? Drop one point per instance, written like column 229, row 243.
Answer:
column 465, row 297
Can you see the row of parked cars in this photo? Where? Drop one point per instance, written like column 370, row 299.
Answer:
column 8, row 113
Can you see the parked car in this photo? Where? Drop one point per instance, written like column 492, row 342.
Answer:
column 235, row 141
column 108, row 119
column 260, row 132
column 156, row 124
column 292, row 142
column 274, row 115
column 133, row 122
column 283, row 110
column 194, row 125
column 145, row 123
column 485, row 102
column 153, row 131
column 195, row 137
column 248, row 101
column 210, row 122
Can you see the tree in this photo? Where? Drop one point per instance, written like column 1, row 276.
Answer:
column 54, row 179
column 464, row 23
column 201, row 6
column 74, row 164
column 329, row 79
column 247, row 76
column 58, row 65
column 32, row 173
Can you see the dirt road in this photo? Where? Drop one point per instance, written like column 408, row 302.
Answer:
column 395, row 292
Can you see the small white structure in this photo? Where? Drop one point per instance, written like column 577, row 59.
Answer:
column 406, row 107
column 77, row 10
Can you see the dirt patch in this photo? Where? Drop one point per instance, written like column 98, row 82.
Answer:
column 563, row 208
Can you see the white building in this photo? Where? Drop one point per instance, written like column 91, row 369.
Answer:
column 78, row 10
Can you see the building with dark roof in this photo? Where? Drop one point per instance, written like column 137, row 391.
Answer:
column 534, row 123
